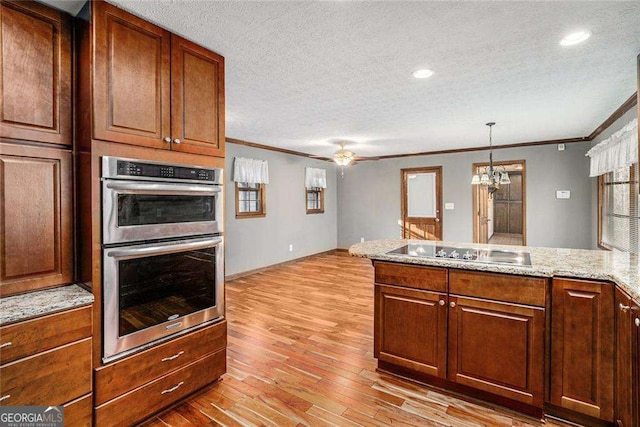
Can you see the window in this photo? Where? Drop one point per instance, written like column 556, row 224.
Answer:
column 250, row 200
column 618, row 210
column 315, row 200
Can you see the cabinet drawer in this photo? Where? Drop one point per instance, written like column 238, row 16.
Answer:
column 44, row 333
column 51, row 378
column 428, row 278
column 126, row 374
column 156, row 395
column 500, row 287
column 78, row 413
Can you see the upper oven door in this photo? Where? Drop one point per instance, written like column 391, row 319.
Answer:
column 137, row 210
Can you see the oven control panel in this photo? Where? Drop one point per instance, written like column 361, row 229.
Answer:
column 150, row 170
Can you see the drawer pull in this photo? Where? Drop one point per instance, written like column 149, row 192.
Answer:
column 175, row 356
column 173, row 326
column 5, row 397
column 637, row 321
column 7, row 344
column 624, row 308
column 174, row 388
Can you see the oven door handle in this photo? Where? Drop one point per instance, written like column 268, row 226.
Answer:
column 160, row 249
column 160, row 188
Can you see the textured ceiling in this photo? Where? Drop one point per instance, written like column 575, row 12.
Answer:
column 303, row 75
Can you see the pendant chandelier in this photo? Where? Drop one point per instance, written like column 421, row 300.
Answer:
column 492, row 177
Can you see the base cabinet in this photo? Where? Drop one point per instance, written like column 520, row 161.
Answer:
column 582, row 350
column 411, row 329
column 625, row 380
column 47, row 361
column 494, row 347
column 497, row 348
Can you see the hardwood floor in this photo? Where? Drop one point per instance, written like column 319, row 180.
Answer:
column 300, row 354
column 506, row 239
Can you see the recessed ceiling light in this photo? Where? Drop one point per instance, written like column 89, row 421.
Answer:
column 423, row 73
column 575, row 38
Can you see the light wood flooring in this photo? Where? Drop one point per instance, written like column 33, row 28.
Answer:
column 506, row 239
column 300, row 354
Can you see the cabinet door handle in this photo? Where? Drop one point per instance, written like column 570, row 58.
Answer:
column 5, row 345
column 174, row 388
column 637, row 321
column 175, row 356
column 5, row 397
column 441, row 302
column 167, row 139
column 452, row 304
column 177, row 141
column 624, row 308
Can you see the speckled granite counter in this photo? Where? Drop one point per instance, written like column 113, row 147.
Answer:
column 39, row 303
column 620, row 268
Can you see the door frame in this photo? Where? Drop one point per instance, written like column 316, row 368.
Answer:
column 403, row 194
column 475, row 194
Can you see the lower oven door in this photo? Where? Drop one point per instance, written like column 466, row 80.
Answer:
column 155, row 290
column 137, row 210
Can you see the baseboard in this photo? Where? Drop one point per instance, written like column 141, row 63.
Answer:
column 268, row 267
column 342, row 250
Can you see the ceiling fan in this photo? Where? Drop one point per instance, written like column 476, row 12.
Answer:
column 344, row 157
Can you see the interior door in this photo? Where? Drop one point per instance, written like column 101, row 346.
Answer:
column 422, row 203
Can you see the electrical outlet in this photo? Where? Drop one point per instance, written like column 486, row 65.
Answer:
column 290, row 248
column 362, row 240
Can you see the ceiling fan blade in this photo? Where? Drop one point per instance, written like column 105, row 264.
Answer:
column 362, row 159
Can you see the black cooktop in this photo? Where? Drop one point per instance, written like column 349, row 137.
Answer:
column 485, row 256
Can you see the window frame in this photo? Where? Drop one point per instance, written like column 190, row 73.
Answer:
column 263, row 202
column 320, row 192
column 633, row 198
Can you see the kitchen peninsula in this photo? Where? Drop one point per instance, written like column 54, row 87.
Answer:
column 555, row 337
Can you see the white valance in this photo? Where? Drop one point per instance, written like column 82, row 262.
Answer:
column 251, row 171
column 315, row 178
column 620, row 150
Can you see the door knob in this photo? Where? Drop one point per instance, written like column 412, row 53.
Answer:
column 167, row 139
column 177, row 141
column 441, row 302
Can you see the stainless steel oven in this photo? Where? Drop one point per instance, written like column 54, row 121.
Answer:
column 162, row 254
column 142, row 200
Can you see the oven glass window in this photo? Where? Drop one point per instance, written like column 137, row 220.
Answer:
column 161, row 288
column 142, row 209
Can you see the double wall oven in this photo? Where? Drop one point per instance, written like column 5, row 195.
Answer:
column 162, row 252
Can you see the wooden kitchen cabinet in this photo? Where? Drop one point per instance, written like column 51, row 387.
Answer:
column 150, row 87
column 36, row 218
column 197, row 98
column 497, row 348
column 624, row 347
column 47, row 361
column 582, row 352
column 132, row 87
column 411, row 329
column 35, row 71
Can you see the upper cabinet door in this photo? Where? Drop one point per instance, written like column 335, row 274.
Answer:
column 131, row 97
column 197, row 99
column 35, row 73
column 36, row 218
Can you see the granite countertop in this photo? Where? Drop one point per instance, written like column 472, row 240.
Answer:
column 40, row 303
column 618, row 267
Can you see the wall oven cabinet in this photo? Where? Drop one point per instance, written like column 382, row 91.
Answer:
column 162, row 255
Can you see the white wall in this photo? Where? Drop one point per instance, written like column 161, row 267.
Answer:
column 616, row 126
column 369, row 195
column 258, row 242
